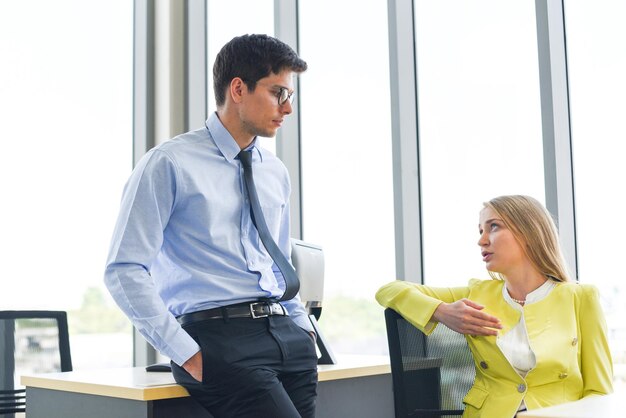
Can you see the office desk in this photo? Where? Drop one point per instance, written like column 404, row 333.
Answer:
column 358, row 386
column 608, row 406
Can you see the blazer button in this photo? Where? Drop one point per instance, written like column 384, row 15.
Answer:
column 574, row 341
column 562, row 375
column 521, row 388
column 484, row 365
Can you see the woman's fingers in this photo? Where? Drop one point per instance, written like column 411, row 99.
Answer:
column 466, row 317
column 480, row 318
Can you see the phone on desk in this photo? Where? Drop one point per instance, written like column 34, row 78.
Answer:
column 159, row 367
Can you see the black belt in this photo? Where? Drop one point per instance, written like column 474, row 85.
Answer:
column 252, row 310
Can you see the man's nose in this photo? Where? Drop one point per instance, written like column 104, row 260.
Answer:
column 286, row 108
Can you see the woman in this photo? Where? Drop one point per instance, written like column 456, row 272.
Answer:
column 537, row 338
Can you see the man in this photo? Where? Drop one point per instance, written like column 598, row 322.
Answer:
column 186, row 262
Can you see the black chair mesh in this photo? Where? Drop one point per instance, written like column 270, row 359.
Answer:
column 31, row 342
column 431, row 375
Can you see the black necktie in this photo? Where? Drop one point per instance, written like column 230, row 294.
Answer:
column 292, row 284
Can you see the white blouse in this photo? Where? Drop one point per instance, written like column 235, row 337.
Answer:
column 514, row 344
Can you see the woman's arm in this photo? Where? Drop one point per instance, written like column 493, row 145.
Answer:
column 425, row 306
column 596, row 362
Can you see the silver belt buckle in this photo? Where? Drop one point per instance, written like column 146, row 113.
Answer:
column 262, row 315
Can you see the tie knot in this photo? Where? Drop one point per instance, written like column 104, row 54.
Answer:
column 246, row 158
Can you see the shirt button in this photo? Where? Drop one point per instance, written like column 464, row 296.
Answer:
column 562, row 375
column 484, row 365
column 521, row 388
column 574, row 341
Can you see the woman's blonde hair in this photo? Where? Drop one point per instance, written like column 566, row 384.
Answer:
column 535, row 231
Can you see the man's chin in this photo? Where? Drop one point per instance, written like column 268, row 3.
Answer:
column 268, row 134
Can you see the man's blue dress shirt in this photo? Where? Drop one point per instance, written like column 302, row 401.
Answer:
column 184, row 240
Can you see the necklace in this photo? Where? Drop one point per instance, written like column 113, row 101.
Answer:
column 521, row 302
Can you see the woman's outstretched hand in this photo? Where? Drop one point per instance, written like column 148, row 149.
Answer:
column 466, row 317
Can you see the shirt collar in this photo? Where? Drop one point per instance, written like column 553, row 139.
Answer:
column 533, row 297
column 540, row 292
column 224, row 140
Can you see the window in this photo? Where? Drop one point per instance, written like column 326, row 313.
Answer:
column 597, row 63
column 479, row 123
column 346, row 165
column 253, row 16
column 65, row 100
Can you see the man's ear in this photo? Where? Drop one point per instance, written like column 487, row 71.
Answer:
column 237, row 87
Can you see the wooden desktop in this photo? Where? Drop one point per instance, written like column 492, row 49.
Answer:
column 355, row 386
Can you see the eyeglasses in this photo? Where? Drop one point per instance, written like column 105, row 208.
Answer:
column 283, row 95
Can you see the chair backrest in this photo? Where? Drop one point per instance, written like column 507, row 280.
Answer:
column 30, row 342
column 430, row 375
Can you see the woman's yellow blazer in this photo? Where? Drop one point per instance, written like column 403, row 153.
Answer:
column 566, row 330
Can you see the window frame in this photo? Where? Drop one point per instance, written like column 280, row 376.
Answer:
column 405, row 134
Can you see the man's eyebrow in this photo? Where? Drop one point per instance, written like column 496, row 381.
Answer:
column 278, row 86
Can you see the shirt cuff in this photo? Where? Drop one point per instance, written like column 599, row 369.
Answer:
column 181, row 348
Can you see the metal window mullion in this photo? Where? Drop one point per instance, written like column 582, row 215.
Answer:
column 170, row 69
column 196, row 64
column 143, row 78
column 143, row 119
column 555, row 112
column 405, row 141
column 288, row 139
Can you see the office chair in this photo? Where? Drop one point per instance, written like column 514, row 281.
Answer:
column 308, row 261
column 430, row 375
column 30, row 342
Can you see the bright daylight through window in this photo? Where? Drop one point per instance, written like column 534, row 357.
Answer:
column 65, row 101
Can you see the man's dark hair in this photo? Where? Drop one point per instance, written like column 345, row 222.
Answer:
column 251, row 58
